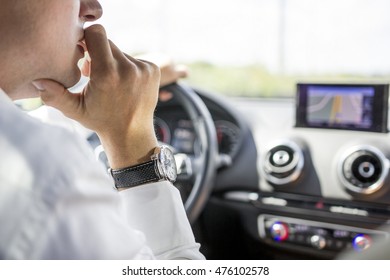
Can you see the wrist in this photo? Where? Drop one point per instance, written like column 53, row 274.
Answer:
column 128, row 151
column 160, row 166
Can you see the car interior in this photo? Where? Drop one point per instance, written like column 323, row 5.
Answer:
column 305, row 178
column 293, row 188
column 294, row 169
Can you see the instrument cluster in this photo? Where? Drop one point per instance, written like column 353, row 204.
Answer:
column 179, row 133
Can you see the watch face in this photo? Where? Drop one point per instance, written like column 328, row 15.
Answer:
column 168, row 164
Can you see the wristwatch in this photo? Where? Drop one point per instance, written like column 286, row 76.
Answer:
column 162, row 166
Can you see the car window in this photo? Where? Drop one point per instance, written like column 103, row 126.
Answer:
column 259, row 47
column 256, row 48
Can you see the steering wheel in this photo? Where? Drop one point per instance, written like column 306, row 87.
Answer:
column 199, row 169
column 196, row 171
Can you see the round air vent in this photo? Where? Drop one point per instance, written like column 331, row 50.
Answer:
column 363, row 170
column 283, row 163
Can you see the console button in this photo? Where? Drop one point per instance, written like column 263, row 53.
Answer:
column 361, row 242
column 318, row 241
column 279, row 231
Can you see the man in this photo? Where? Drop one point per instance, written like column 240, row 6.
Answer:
column 56, row 202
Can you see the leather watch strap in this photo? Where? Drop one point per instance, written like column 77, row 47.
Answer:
column 135, row 175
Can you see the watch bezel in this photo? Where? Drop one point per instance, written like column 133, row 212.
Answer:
column 159, row 156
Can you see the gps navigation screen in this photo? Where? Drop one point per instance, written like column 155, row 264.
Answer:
column 340, row 106
column 352, row 107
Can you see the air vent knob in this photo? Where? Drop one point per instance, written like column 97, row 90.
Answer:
column 364, row 170
column 281, row 158
column 283, row 163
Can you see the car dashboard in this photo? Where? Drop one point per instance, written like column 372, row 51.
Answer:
column 288, row 191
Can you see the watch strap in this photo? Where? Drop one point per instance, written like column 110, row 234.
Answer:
column 135, row 175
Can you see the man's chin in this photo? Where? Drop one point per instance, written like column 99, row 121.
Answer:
column 23, row 92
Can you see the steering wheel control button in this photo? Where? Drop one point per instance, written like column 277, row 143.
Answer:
column 318, row 241
column 279, row 231
column 361, row 242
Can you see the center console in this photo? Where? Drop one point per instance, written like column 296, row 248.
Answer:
column 330, row 172
column 317, row 235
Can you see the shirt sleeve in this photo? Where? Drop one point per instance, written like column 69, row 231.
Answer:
column 144, row 222
column 157, row 210
column 94, row 221
column 89, row 225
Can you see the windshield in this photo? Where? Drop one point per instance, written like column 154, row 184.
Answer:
column 258, row 47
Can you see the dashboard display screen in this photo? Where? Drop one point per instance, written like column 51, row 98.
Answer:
column 342, row 106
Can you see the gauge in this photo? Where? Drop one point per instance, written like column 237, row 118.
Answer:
column 184, row 137
column 228, row 135
column 163, row 133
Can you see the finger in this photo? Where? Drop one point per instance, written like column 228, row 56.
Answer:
column 137, row 61
column 56, row 95
column 98, row 47
column 116, row 52
column 129, row 57
column 181, row 71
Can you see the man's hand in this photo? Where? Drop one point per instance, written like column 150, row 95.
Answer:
column 118, row 102
column 170, row 71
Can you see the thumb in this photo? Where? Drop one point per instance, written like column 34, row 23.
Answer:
column 56, row 95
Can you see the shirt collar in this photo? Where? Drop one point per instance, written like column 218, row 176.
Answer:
column 4, row 97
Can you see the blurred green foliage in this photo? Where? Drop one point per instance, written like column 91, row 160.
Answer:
column 256, row 81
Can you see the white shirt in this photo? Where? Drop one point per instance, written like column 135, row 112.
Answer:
column 57, row 201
